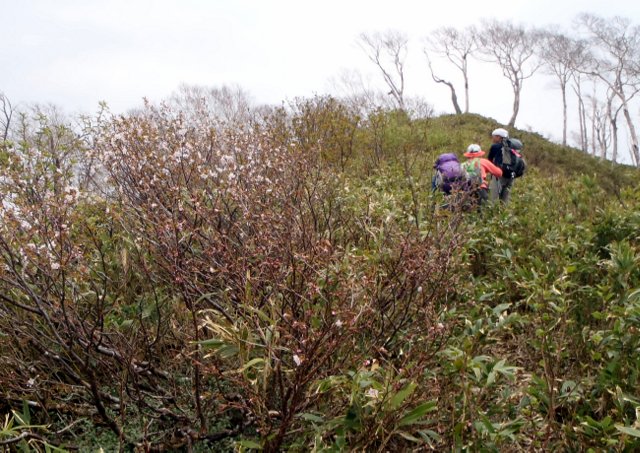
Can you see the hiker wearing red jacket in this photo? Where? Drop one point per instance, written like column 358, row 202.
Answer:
column 477, row 168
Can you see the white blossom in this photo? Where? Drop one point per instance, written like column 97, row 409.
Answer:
column 372, row 393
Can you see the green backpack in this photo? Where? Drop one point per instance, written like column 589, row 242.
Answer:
column 473, row 171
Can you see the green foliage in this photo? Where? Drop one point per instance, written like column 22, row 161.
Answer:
column 19, row 434
column 298, row 285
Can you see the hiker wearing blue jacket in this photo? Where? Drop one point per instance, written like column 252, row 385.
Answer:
column 499, row 187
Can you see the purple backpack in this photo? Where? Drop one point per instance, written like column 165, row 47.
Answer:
column 448, row 172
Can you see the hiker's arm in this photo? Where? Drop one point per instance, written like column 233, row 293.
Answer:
column 494, row 170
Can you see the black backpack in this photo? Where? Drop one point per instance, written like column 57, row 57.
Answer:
column 513, row 164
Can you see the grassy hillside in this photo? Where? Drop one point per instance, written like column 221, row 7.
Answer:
column 296, row 285
column 547, row 157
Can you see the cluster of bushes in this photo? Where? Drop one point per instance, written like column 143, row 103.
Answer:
column 168, row 280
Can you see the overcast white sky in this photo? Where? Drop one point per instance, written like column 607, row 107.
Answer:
column 77, row 53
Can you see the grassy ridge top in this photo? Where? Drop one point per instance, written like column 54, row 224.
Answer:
column 550, row 158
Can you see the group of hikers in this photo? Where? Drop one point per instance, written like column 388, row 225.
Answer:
column 483, row 179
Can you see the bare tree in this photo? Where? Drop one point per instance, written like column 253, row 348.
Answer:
column 356, row 91
column 6, row 113
column 454, row 96
column 612, row 117
column 418, row 107
column 45, row 134
column 229, row 104
column 582, row 111
column 604, row 121
column 90, row 174
column 617, row 44
column 456, row 46
column 388, row 51
column 561, row 55
column 512, row 47
column 594, row 115
column 601, row 127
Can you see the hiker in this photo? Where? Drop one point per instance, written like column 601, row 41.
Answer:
column 448, row 174
column 500, row 186
column 477, row 168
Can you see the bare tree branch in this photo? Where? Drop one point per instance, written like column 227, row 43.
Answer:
column 388, row 51
column 617, row 46
column 513, row 49
column 456, row 46
column 454, row 96
column 6, row 111
column 562, row 56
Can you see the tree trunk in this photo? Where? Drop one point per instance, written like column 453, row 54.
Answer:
column 614, row 139
column 593, row 125
column 613, row 121
column 600, row 135
column 582, row 116
column 581, row 122
column 563, row 87
column 635, row 155
column 466, row 87
column 454, row 99
column 516, row 105
column 585, row 135
column 454, row 96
